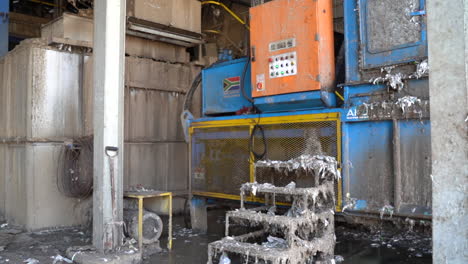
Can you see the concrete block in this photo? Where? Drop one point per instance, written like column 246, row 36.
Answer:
column 183, row 14
column 41, row 93
column 32, row 199
column 146, row 48
column 14, row 81
column 154, row 97
column 150, row 74
column 153, row 115
column 71, row 28
column 160, row 166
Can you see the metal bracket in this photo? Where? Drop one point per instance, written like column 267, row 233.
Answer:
column 418, row 13
column 111, row 151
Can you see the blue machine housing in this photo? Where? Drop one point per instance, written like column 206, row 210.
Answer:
column 4, row 9
column 359, row 55
column 221, row 89
column 386, row 154
column 296, row 101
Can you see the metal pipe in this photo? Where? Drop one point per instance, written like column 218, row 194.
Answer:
column 376, row 215
column 396, row 165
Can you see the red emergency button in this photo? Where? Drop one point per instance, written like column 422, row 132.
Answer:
column 270, row 60
column 259, row 86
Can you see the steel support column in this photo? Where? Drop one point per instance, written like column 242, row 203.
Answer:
column 4, row 12
column 448, row 61
column 109, row 47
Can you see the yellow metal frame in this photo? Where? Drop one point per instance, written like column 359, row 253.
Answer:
column 273, row 120
column 140, row 197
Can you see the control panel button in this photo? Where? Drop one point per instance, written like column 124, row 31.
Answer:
column 282, row 65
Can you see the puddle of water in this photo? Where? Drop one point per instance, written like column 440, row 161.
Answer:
column 353, row 246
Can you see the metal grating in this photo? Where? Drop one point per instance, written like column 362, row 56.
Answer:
column 291, row 140
column 220, row 159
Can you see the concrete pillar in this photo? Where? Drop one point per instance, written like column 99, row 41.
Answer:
column 448, row 82
column 4, row 11
column 109, row 47
column 199, row 214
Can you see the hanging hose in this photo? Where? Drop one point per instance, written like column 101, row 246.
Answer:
column 189, row 96
column 75, row 169
column 256, row 155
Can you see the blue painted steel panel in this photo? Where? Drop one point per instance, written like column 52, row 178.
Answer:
column 351, row 41
column 221, row 87
column 356, row 31
column 255, row 117
column 295, row 101
column 415, row 156
column 4, row 11
column 368, row 163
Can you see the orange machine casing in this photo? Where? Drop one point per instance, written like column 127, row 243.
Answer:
column 292, row 46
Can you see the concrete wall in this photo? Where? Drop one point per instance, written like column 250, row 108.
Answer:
column 448, row 58
column 46, row 99
column 41, row 106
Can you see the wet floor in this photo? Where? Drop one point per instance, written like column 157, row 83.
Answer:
column 352, row 246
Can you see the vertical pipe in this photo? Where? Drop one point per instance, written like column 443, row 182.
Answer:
column 170, row 221
column 4, row 15
column 140, row 223
column 396, row 165
column 109, row 47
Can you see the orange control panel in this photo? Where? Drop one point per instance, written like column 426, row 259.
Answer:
column 292, row 46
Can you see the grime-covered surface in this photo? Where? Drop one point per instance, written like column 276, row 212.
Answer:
column 302, row 234
column 354, row 244
column 39, row 247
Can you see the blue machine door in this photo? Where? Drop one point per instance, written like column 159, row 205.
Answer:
column 392, row 31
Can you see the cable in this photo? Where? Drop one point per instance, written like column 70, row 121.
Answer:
column 75, row 168
column 195, row 83
column 251, row 143
column 228, row 10
column 242, row 85
column 189, row 96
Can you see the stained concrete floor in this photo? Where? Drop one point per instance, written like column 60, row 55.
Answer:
column 354, row 245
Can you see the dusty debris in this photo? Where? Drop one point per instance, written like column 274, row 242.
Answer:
column 422, row 70
column 59, row 259
column 407, row 102
column 224, row 259
column 31, row 261
column 392, row 80
column 322, row 166
column 350, row 203
column 339, row 258
column 387, row 209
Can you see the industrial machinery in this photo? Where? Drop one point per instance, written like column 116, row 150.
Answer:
column 221, row 87
column 292, row 53
column 380, row 130
column 385, row 121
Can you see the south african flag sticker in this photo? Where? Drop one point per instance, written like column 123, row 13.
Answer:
column 231, row 86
